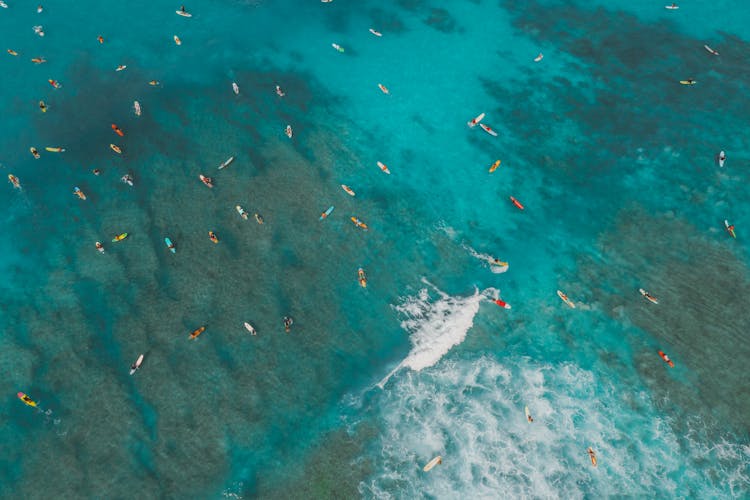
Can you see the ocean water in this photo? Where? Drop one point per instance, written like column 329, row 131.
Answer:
column 613, row 159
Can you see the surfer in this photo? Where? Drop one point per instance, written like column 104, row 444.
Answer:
column 127, row 179
column 279, row 92
column 100, row 247
column 592, row 455
column 42, row 106
column 288, row 321
column 100, row 38
column 96, row 171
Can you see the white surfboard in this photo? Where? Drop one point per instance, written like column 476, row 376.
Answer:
column 712, row 51
column 137, row 364
column 528, row 414
column 539, row 57
column 226, row 162
column 183, row 13
column 432, row 463
column 672, row 7
column 250, row 328
column 472, row 123
column 488, row 129
column 722, row 158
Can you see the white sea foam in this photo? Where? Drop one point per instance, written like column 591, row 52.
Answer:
column 435, row 326
column 471, row 413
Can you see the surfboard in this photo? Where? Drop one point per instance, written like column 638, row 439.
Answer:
column 170, row 245
column 539, row 57
column 197, row 332
column 376, row 33
column 593, row 456
column 565, row 299
column 226, row 162
column 348, row 190
column 648, row 296
column 712, row 51
column 432, row 463
column 177, row 40
column 688, row 82
column 672, row 7
column 472, row 123
column 528, row 414
column 120, row 237
column 722, row 158
column 250, row 328
column 137, row 364
column 326, row 213
column 488, row 129
column 729, row 228
column 55, row 150
column 383, row 167
column 494, row 166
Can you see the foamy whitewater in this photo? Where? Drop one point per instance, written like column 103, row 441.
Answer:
column 435, row 326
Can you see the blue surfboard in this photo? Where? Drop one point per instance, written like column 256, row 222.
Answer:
column 169, row 244
column 326, row 213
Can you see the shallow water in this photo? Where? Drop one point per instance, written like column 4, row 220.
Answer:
column 613, row 160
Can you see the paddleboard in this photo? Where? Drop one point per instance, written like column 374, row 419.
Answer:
column 136, row 365
column 565, row 299
column 120, row 237
column 383, row 88
column 288, row 131
column 250, row 328
column 472, row 123
column 348, row 190
column 432, row 463
column 688, row 82
column 241, row 211
column 177, row 40
column 183, row 13
column 666, row 359
column 358, row 223
column 116, row 149
column 722, row 158
column 14, row 181
column 235, row 88
column 326, row 213
column 170, row 245
column 494, row 166
column 137, row 108
column 376, row 33
column 226, row 162
column 672, row 7
column 55, row 150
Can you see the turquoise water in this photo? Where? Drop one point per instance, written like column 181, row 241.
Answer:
column 613, row 160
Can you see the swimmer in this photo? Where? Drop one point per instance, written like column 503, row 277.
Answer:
column 96, row 171
column 100, row 38
column 288, row 321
